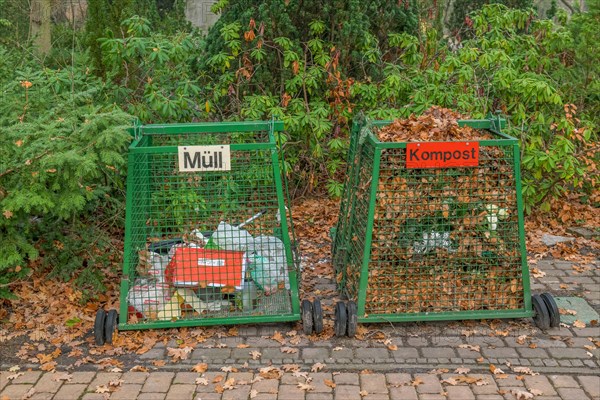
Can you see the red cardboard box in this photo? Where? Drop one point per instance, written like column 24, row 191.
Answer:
column 197, row 267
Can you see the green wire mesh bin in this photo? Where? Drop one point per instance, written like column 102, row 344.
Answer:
column 436, row 243
column 208, row 237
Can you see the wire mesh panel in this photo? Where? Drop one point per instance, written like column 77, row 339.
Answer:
column 434, row 242
column 208, row 237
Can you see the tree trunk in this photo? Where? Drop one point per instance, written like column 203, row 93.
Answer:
column 41, row 25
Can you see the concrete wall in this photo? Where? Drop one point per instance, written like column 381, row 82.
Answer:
column 199, row 14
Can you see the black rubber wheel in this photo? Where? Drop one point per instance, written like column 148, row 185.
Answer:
column 99, row 327
column 112, row 319
column 552, row 309
column 341, row 319
column 352, row 318
column 307, row 317
column 542, row 316
column 317, row 316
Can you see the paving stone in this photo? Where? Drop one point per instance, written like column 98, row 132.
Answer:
column 572, row 393
column 490, row 388
column 155, row 396
column 559, row 353
column 460, row 393
column 127, row 392
column 43, row 396
column 591, row 384
column 265, row 396
column 27, row 377
column 403, row 393
column 431, row 384
column 444, row 341
column 540, row 382
column 134, row 377
column 417, row 342
column 319, row 396
column 312, row 353
column 342, row 354
column 510, row 381
column 501, row 352
column 373, row 383
column 243, row 354
column 15, row 391
column 532, row 353
column 372, row 353
column 289, row 379
column 346, row 392
column 274, row 353
column 290, row 392
column 245, row 330
column 46, row 385
column 267, row 385
column 431, row 396
column 260, row 342
column 73, row 391
column 98, row 396
column 158, row 382
column 588, row 332
column 82, row 377
column 436, row 352
column 102, row 378
column 319, row 382
column 405, row 353
column 466, row 353
column 240, row 376
column 563, row 381
column 346, row 378
column 185, row 392
column 211, row 354
column 153, row 354
column 551, row 363
column 490, row 397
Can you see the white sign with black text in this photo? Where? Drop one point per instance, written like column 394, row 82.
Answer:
column 204, row 158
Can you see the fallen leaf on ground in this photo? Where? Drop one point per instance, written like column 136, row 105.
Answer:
column 63, row 377
column 524, row 370
column 290, row 367
column 14, row 368
column 470, row 347
column 450, row 381
column 159, row 363
column 242, row 346
column 179, row 354
column 15, row 376
column 229, row 384
column 495, row 370
column 338, row 348
column 255, row 354
column 521, row 339
column 438, row 371
column 116, row 382
column 521, row 395
column 462, row 370
column 217, row 379
column 579, row 324
column 329, row 383
column 564, row 311
column 317, row 367
column 392, row 347
column 289, row 350
column 102, row 389
column 305, row 386
column 219, row 389
column 115, row 370
column 416, row 382
column 253, row 393
column 202, row 381
column 48, row 366
column 200, row 368
column 278, row 337
column 270, row 373
column 363, row 393
column 138, row 368
column 229, row 368
column 537, row 273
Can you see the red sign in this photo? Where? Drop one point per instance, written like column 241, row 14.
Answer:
column 442, row 154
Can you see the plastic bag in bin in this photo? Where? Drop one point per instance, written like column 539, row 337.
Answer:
column 147, row 297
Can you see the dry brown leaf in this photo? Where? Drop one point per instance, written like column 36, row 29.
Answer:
column 363, row 393
column 15, row 376
column 536, row 392
column 495, row 370
column 179, row 354
column 329, row 383
column 229, row 368
column 289, row 350
column 253, row 393
column 255, row 354
column 200, row 368
column 138, row 368
column 521, row 339
column 521, row 395
column 48, row 366
column 471, row 347
column 218, row 379
column 450, row 381
column 317, row 367
column 290, row 367
column 202, row 381
column 102, row 389
column 392, row 347
column 462, row 370
column 439, row 371
column 416, row 382
column 278, row 337
column 579, row 324
column 159, row 363
column 524, row 370
column 229, row 384
column 242, row 346
column 270, row 373
column 116, row 382
column 305, row 386
column 338, row 348
column 62, row 377
column 219, row 389
column 14, row 368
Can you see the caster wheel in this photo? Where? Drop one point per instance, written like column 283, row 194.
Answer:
column 552, row 309
column 317, row 316
column 307, row 317
column 542, row 316
column 341, row 319
column 99, row 327
column 112, row 319
column 352, row 318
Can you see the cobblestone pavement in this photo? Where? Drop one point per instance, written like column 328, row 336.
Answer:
column 438, row 360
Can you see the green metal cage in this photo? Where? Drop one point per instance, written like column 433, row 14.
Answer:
column 208, row 236
column 432, row 243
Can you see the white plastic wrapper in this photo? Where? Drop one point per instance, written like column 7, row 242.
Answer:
column 229, row 237
column 432, row 241
column 147, row 296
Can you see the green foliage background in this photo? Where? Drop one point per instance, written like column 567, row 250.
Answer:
column 313, row 64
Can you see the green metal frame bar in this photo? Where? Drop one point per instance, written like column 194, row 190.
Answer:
column 446, row 316
column 521, row 219
column 237, row 320
column 211, row 127
column 125, row 284
column 175, row 149
column 364, row 273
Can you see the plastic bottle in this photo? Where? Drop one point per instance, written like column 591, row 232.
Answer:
column 249, row 293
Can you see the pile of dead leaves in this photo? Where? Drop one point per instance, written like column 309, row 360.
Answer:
column 436, row 124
